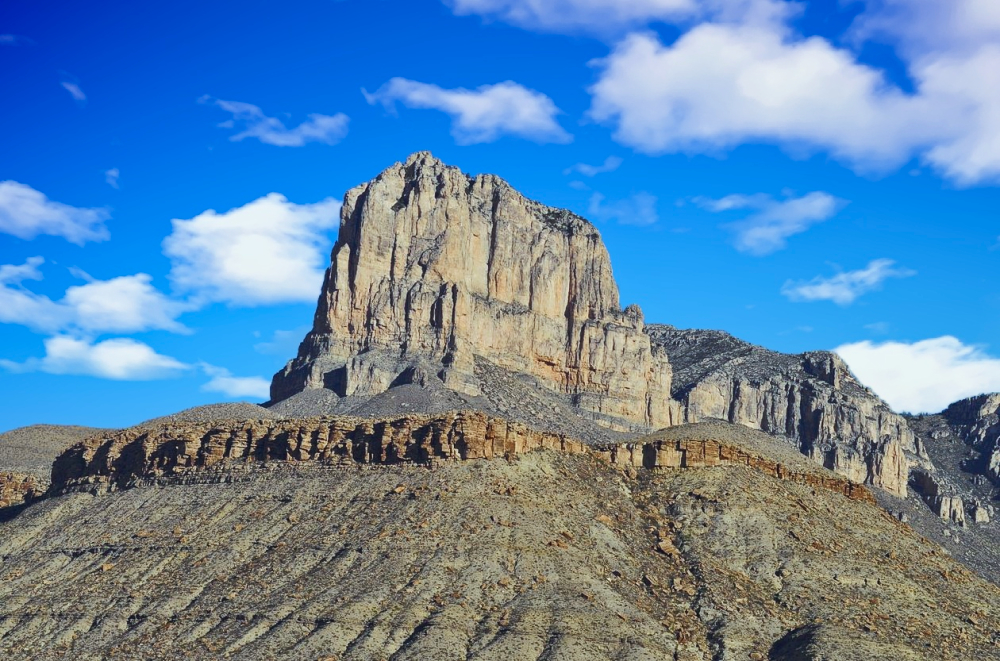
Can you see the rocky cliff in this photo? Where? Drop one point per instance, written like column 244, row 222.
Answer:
column 433, row 269
column 811, row 398
column 445, row 281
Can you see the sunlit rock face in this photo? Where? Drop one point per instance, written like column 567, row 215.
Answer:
column 434, row 268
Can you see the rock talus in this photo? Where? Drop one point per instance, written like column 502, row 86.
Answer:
column 433, row 268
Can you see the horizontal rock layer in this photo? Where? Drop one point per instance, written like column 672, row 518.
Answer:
column 132, row 455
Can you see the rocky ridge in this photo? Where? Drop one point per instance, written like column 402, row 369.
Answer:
column 174, row 452
column 811, row 398
column 445, row 282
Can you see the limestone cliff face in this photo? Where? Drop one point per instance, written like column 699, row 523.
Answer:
column 976, row 421
column 812, row 398
column 433, row 268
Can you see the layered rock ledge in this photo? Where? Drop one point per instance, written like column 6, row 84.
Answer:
column 128, row 457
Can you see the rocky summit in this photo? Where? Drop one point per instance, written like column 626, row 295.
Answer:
column 478, row 453
column 434, row 269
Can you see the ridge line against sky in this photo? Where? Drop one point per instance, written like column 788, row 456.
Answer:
column 745, row 135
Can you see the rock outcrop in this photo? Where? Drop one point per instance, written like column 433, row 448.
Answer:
column 976, row 421
column 812, row 398
column 433, row 269
column 143, row 454
column 438, row 277
column 18, row 488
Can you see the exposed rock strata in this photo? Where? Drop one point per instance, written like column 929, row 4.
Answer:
column 137, row 454
column 433, row 268
column 812, row 398
column 18, row 488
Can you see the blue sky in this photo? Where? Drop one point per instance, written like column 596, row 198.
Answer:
column 812, row 175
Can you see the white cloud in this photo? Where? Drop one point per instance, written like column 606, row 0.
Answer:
column 638, row 209
column 328, row 129
column 920, row 27
column 111, row 177
column 26, row 213
column 610, row 164
column 614, row 16
column 236, row 386
column 13, row 39
column 125, row 304
column 483, row 114
column 924, row 376
column 767, row 230
column 267, row 251
column 74, row 91
column 843, row 288
column 121, row 359
column 720, row 85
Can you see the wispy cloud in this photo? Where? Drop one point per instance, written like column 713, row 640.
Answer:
column 326, row 129
column 122, row 359
column 610, row 164
column 13, row 39
column 481, row 115
column 224, row 382
column 111, row 177
column 774, row 221
column 924, row 376
column 843, row 288
column 282, row 342
column 637, row 209
column 74, row 91
column 125, row 304
column 26, row 213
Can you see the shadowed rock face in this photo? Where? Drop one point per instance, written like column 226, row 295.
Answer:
column 433, row 268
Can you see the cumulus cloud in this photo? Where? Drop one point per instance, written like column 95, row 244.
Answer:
column 327, row 129
column 610, row 164
column 122, row 359
column 124, row 304
column 605, row 17
column 724, row 84
column 264, row 252
column 924, row 376
column 846, row 286
column 481, row 115
column 27, row 213
column 637, row 209
column 111, row 177
column 768, row 229
column 224, row 382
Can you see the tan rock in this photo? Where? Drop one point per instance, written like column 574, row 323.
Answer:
column 433, row 267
